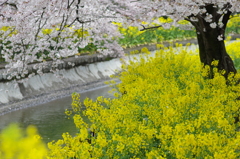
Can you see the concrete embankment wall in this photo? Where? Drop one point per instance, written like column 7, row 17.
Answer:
column 40, row 89
column 49, row 82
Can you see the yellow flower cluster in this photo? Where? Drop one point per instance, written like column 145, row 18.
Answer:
column 234, row 21
column 165, row 20
column 76, row 32
column 15, row 144
column 129, row 31
column 233, row 50
column 8, row 28
column 164, row 108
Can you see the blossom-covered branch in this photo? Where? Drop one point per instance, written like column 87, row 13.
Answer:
column 34, row 30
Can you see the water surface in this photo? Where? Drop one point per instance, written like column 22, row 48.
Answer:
column 50, row 118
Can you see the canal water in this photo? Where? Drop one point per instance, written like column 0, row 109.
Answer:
column 49, row 118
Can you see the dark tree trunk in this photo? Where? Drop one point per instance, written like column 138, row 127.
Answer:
column 211, row 38
column 210, row 49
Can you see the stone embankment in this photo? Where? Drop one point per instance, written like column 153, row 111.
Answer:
column 89, row 71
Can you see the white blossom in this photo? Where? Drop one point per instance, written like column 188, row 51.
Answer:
column 39, row 26
column 208, row 18
column 193, row 19
column 220, row 24
column 203, row 10
column 220, row 37
column 213, row 25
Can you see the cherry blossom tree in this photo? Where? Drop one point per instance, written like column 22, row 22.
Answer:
column 32, row 30
column 35, row 30
column 208, row 17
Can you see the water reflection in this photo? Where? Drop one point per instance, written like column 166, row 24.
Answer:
column 50, row 118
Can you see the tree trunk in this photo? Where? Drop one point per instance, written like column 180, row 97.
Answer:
column 210, row 49
column 210, row 27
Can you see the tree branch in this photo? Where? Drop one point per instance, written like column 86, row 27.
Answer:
column 154, row 27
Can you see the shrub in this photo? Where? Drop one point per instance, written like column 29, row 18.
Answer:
column 17, row 144
column 164, row 108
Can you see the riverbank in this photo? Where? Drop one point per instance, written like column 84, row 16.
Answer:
column 42, row 89
column 88, row 72
column 50, row 96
